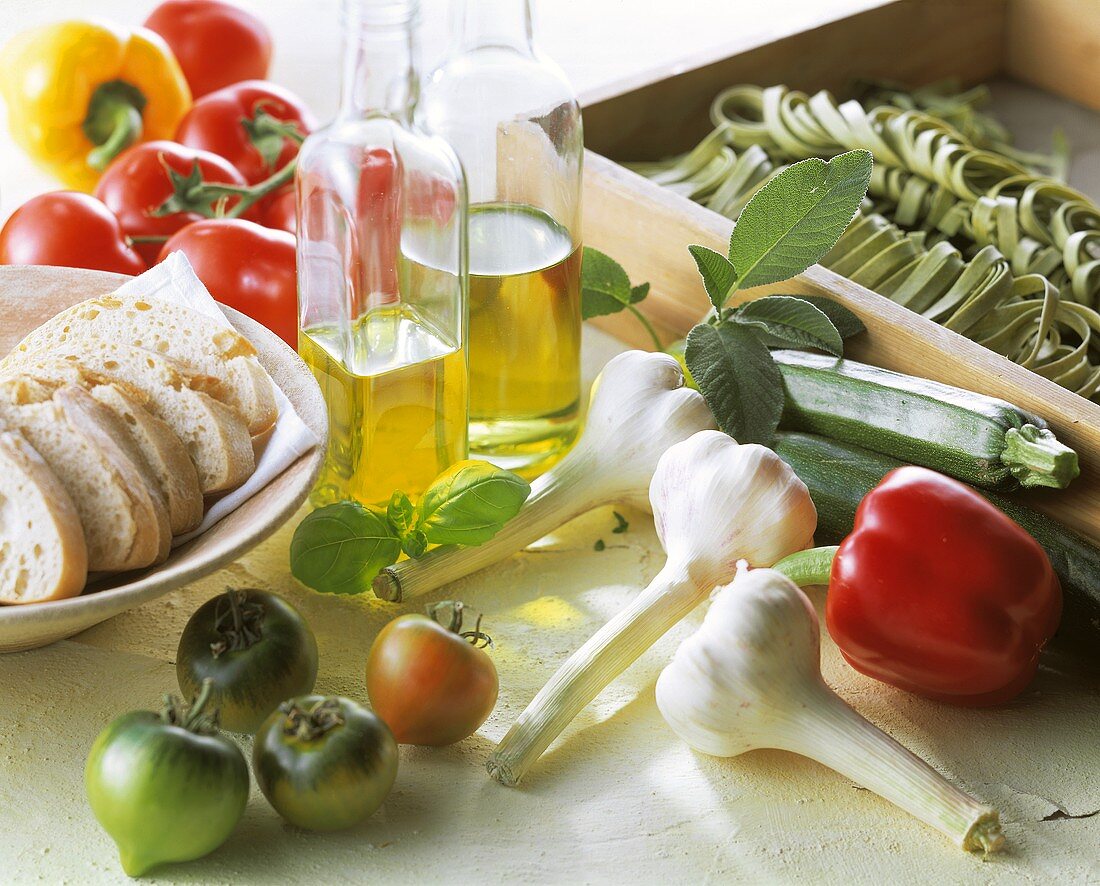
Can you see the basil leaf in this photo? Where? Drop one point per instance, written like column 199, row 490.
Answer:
column 414, row 544
column 605, row 287
column 340, row 548
column 845, row 320
column 469, row 503
column 789, row 321
column 717, row 273
column 737, row 377
column 797, row 217
column 401, row 513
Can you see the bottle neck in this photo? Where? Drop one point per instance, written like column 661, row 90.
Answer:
column 481, row 23
column 380, row 72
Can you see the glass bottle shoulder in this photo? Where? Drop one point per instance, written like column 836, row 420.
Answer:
column 345, row 140
column 493, row 81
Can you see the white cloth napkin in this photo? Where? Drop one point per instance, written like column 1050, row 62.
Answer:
column 174, row 280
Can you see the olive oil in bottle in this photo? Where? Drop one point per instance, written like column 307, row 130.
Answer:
column 525, row 335
column 512, row 118
column 396, row 395
column 382, row 272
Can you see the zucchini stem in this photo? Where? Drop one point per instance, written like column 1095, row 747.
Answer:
column 808, row 568
column 1035, row 457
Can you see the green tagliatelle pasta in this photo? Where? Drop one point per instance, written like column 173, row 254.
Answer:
column 966, row 236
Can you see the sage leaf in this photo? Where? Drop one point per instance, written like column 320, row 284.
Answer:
column 605, row 286
column 738, row 379
column 717, row 273
column 797, row 217
column 340, row 548
column 846, row 321
column 789, row 321
column 638, row 293
column 469, row 503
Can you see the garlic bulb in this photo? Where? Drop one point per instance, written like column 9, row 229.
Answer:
column 715, row 502
column 750, row 678
column 640, row 407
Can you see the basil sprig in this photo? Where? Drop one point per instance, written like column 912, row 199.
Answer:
column 340, row 548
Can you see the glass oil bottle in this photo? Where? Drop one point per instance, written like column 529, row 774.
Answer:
column 382, row 274
column 515, row 124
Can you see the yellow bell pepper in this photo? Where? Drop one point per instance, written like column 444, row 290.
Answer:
column 79, row 92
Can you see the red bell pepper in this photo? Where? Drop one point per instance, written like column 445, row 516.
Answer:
column 939, row 593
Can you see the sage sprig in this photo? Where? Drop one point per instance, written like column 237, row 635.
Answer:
column 788, row 225
column 606, row 289
column 340, row 548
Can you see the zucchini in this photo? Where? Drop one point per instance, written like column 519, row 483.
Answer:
column 974, row 438
column 838, row 475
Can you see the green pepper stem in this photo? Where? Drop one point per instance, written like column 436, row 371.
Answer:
column 808, row 568
column 1035, row 457
column 126, row 128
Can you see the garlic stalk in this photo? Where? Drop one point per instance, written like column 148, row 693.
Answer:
column 640, row 407
column 714, row 502
column 750, row 678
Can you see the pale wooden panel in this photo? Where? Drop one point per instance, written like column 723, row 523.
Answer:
column 914, row 41
column 648, row 229
column 1055, row 44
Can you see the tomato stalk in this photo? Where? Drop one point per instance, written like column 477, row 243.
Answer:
column 310, row 723
column 240, row 626
column 454, row 611
column 193, row 717
column 208, row 199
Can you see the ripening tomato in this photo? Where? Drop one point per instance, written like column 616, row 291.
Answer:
column 281, row 211
column 429, row 683
column 136, row 184
column 257, row 650
column 246, row 266
column 324, row 763
column 230, row 121
column 166, row 787
column 215, row 43
column 71, row 230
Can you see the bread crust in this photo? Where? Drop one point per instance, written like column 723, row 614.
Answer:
column 17, row 456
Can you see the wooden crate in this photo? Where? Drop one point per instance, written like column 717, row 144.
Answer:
column 648, row 228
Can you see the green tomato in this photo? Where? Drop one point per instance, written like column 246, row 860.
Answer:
column 255, row 648
column 165, row 786
column 324, row 763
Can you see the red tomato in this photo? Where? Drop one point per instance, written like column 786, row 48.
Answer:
column 215, row 43
column 245, row 266
column 428, row 683
column 137, row 183
column 68, row 229
column 215, row 123
column 281, row 210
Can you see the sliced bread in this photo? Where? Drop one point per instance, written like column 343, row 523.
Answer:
column 197, row 341
column 42, row 550
column 215, row 435
column 164, row 454
column 123, row 517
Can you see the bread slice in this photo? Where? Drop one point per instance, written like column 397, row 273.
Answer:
column 164, row 454
column 124, row 519
column 215, row 436
column 42, row 550
column 200, row 343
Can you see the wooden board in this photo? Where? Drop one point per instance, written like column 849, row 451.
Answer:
column 30, row 295
column 912, row 41
column 648, row 229
column 1055, row 44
